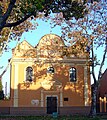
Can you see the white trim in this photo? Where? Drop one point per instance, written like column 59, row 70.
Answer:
column 55, row 92
column 86, row 97
column 42, row 102
column 51, row 91
column 15, row 104
column 61, row 99
column 48, row 60
column 24, row 74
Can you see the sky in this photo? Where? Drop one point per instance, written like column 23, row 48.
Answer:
column 33, row 38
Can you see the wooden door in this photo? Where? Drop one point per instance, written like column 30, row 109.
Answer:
column 51, row 105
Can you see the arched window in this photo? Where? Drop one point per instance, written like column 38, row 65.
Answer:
column 72, row 74
column 50, row 70
column 29, row 74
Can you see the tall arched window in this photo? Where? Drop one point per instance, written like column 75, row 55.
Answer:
column 29, row 74
column 72, row 74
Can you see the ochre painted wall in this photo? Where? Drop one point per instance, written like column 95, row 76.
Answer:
column 74, row 91
column 68, row 93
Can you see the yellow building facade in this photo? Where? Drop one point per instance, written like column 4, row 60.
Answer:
column 48, row 78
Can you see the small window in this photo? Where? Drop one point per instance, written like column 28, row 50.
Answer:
column 29, row 74
column 65, row 99
column 50, row 70
column 72, row 73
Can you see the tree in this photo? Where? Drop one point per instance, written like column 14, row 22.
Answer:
column 16, row 16
column 92, row 28
column 1, row 91
column 13, row 12
column 19, row 14
column 1, row 86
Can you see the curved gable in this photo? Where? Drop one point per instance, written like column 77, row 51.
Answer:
column 51, row 39
column 24, row 49
column 50, row 45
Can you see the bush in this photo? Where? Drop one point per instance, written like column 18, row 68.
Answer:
column 1, row 95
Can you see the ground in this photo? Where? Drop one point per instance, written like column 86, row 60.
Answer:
column 48, row 118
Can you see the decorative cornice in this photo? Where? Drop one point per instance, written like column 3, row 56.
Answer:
column 44, row 60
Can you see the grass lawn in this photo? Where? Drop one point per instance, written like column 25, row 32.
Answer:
column 47, row 118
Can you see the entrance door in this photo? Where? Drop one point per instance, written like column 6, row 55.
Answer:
column 51, row 105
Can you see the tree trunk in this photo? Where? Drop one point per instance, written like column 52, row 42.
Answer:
column 93, row 110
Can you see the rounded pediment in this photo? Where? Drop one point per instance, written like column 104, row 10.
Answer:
column 50, row 45
column 50, row 40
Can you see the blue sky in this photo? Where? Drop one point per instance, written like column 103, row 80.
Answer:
column 33, row 38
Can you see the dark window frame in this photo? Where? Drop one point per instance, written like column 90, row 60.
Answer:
column 72, row 74
column 51, row 70
column 66, row 99
column 29, row 74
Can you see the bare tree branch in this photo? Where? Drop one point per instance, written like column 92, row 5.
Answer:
column 9, row 61
column 102, row 63
column 4, row 71
column 2, row 52
column 93, row 70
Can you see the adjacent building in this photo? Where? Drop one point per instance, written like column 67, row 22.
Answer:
column 102, row 93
